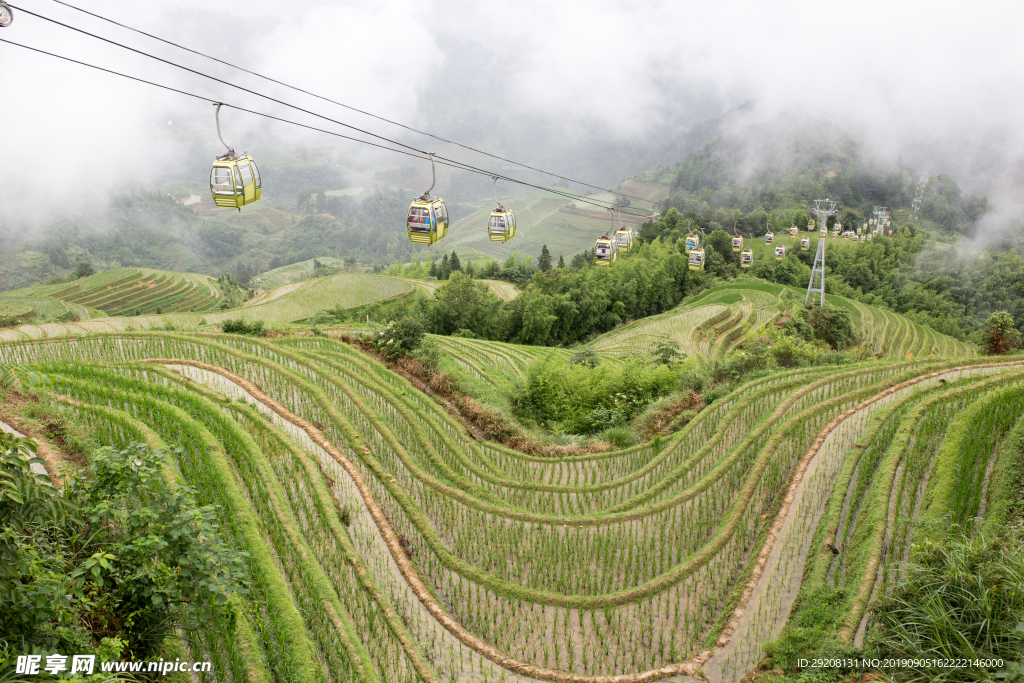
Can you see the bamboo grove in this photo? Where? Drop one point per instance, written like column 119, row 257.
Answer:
column 385, row 543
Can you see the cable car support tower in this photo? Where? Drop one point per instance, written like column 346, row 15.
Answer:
column 823, row 208
column 881, row 216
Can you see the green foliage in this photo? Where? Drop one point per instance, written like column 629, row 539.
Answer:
column 832, row 325
column 400, row 338
column 253, row 328
column 811, row 634
column 26, row 499
column 667, row 352
column 121, row 553
column 1001, row 335
column 20, row 378
column 463, row 303
column 578, row 399
column 962, row 598
column 83, row 269
column 544, row 260
column 586, row 357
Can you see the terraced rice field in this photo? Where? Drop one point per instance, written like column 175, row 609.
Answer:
column 345, row 290
column 38, row 307
column 540, row 219
column 124, row 290
column 386, row 544
column 293, row 271
column 718, row 319
column 653, row 192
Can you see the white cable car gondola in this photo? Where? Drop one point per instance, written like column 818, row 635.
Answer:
column 6, row 15
column 780, row 252
column 823, row 233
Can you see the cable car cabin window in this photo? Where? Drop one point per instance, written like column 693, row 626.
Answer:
column 603, row 251
column 256, row 173
column 419, row 219
column 498, row 225
column 246, row 172
column 220, row 179
column 441, row 213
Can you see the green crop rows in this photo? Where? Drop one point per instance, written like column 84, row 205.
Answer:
column 387, row 544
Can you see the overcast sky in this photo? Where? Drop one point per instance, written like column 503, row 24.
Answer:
column 938, row 83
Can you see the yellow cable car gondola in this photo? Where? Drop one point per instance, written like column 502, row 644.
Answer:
column 501, row 226
column 234, row 179
column 747, row 258
column 769, row 237
column 697, row 259
column 623, row 236
column 691, row 243
column 780, row 252
column 810, row 225
column 605, row 251
column 823, row 233
column 737, row 243
column 793, row 231
column 805, row 243
column 428, row 217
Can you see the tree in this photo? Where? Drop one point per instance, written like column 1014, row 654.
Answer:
column 454, row 263
column 832, row 325
column 859, row 275
column 544, row 261
column 465, row 304
column 445, row 269
column 561, row 261
column 1001, row 334
column 432, row 272
column 84, row 269
column 582, row 259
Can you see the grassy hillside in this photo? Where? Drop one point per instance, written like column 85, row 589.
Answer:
column 293, row 271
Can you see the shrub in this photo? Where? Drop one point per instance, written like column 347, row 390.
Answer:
column 429, row 354
column 833, row 326
column 254, row 328
column 399, row 338
column 959, row 599
column 1001, row 335
column 581, row 399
